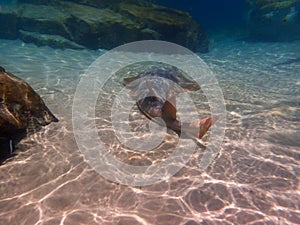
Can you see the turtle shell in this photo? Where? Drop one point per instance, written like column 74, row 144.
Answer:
column 21, row 107
column 165, row 80
column 152, row 70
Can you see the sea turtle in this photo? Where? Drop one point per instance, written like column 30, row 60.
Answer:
column 155, row 90
column 21, row 109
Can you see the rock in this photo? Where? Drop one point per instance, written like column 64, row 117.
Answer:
column 41, row 19
column 274, row 20
column 99, row 28
column 97, row 24
column 21, row 110
column 54, row 41
column 168, row 24
column 93, row 3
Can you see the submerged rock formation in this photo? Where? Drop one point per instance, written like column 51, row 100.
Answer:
column 98, row 24
column 274, row 20
column 21, row 110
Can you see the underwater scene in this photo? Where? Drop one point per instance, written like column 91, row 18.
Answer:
column 149, row 112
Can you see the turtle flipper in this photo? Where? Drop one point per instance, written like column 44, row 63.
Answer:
column 199, row 128
column 169, row 110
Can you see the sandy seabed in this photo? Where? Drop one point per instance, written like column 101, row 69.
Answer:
column 253, row 180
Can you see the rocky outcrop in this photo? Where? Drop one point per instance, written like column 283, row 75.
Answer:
column 21, row 110
column 98, row 24
column 54, row 41
column 274, row 20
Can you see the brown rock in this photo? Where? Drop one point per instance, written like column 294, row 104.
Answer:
column 21, row 108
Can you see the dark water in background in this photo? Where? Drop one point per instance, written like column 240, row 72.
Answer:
column 254, row 179
column 212, row 14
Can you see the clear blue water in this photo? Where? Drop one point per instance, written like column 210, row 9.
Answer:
column 253, row 180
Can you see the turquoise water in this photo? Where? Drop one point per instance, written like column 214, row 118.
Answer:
column 254, row 177
column 253, row 180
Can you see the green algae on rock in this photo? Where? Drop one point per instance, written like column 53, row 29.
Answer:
column 96, row 24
